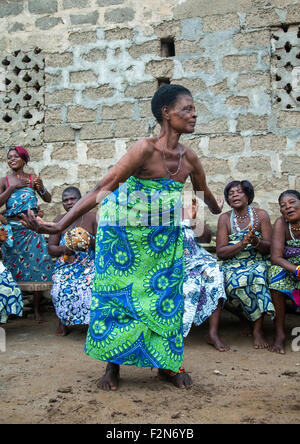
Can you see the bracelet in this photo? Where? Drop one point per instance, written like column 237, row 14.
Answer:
column 255, row 246
column 297, row 271
column 43, row 192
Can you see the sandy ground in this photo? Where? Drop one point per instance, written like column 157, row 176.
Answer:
column 46, row 379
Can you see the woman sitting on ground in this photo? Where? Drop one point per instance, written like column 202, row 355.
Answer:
column 74, row 270
column 284, row 274
column 243, row 243
column 203, row 285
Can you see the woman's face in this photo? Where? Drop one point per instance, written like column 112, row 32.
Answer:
column 15, row 162
column 69, row 199
column 290, row 208
column 237, row 198
column 182, row 114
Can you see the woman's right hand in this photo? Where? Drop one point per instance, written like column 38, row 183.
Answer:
column 39, row 225
column 21, row 183
column 65, row 251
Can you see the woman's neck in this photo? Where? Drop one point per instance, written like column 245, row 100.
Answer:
column 19, row 172
column 169, row 138
column 241, row 212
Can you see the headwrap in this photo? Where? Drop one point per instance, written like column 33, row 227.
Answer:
column 23, row 153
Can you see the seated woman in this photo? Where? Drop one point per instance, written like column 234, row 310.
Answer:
column 243, row 242
column 284, row 274
column 11, row 302
column 27, row 259
column 203, row 285
column 74, row 270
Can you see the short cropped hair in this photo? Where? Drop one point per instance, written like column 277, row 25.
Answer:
column 285, row 193
column 245, row 184
column 166, row 95
column 72, row 189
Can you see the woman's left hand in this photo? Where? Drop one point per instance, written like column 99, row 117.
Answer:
column 38, row 184
column 220, row 202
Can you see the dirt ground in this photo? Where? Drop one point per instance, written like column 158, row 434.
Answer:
column 46, row 379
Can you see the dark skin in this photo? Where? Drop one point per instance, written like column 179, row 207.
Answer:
column 19, row 179
column 145, row 160
column 87, row 221
column 238, row 200
column 290, row 210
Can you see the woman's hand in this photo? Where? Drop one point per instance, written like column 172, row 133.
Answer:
column 22, row 182
column 3, row 235
column 38, row 224
column 38, row 184
column 220, row 202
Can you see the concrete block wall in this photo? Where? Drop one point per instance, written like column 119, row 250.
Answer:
column 104, row 59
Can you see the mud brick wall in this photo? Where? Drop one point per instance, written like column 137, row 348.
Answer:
column 77, row 77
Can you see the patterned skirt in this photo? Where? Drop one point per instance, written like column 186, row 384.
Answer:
column 137, row 302
column 203, row 285
column 286, row 282
column 246, row 281
column 11, row 302
column 72, row 287
column 27, row 259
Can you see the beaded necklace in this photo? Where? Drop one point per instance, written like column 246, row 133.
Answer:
column 253, row 219
column 291, row 231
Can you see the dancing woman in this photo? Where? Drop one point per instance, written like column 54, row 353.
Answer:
column 137, row 304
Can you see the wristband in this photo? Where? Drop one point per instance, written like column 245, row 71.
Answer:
column 255, row 246
column 43, row 192
column 297, row 271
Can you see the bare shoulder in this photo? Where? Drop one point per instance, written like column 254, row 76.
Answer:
column 143, row 146
column 190, row 153
column 262, row 214
column 280, row 223
column 224, row 217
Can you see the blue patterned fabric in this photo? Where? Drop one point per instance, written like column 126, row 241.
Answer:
column 20, row 201
column 246, row 280
column 72, row 286
column 137, row 303
column 11, row 302
column 26, row 254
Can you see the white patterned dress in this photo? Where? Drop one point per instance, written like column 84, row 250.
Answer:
column 203, row 285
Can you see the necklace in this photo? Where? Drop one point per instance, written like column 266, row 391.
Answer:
column 252, row 217
column 164, row 159
column 295, row 228
column 291, row 229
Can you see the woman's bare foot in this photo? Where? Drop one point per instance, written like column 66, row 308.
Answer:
column 61, row 330
column 38, row 317
column 110, row 379
column 215, row 341
column 181, row 379
column 279, row 344
column 259, row 341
